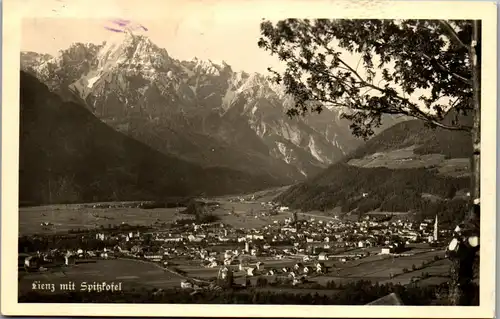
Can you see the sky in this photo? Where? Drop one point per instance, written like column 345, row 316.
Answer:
column 235, row 42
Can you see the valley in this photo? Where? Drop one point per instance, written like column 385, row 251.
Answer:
column 185, row 179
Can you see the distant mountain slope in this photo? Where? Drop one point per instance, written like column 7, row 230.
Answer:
column 394, row 171
column 452, row 144
column 200, row 111
column 68, row 155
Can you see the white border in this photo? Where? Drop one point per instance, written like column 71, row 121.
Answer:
column 15, row 10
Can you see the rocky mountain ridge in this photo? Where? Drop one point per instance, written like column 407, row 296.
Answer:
column 201, row 111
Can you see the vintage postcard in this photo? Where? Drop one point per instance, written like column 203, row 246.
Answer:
column 249, row 158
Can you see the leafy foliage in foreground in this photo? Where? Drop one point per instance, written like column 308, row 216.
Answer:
column 398, row 59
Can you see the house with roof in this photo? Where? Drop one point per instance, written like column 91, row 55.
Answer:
column 320, row 268
column 186, row 285
column 286, row 269
column 69, row 260
column 322, row 256
column 153, row 257
column 298, row 266
column 306, row 270
column 32, row 262
column 224, row 272
column 271, row 272
column 298, row 280
column 195, row 239
column 250, row 271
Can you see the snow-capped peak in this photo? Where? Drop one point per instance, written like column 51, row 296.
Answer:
column 132, row 49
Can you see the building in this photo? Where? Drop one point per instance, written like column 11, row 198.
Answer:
column 320, row 268
column 32, row 262
column 260, row 265
column 385, row 250
column 323, row 256
column 250, row 271
column 298, row 280
column 298, row 266
column 69, row 260
column 186, row 284
column 224, row 273
column 153, row 257
column 195, row 239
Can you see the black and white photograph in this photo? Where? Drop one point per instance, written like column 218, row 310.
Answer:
column 225, row 155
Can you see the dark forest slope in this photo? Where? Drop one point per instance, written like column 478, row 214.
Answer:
column 396, row 171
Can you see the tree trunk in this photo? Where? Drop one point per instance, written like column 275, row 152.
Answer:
column 462, row 273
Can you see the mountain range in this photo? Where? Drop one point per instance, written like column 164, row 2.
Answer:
column 198, row 111
column 68, row 155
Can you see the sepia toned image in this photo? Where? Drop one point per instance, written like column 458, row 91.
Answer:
column 222, row 158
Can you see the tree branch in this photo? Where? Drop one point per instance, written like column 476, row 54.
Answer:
column 453, row 35
column 399, row 104
column 443, row 68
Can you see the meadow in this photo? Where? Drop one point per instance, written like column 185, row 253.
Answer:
column 62, row 218
column 131, row 273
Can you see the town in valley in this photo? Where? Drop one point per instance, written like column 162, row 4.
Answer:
column 253, row 244
column 313, row 161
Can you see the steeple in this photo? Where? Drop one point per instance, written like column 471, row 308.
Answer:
column 436, row 229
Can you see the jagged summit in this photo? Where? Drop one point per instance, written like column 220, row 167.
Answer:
column 214, row 68
column 131, row 48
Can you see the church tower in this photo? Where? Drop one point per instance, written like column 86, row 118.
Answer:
column 436, row 229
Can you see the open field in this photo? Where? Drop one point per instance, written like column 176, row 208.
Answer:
column 406, row 158
column 131, row 273
column 66, row 217
column 72, row 216
column 260, row 196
